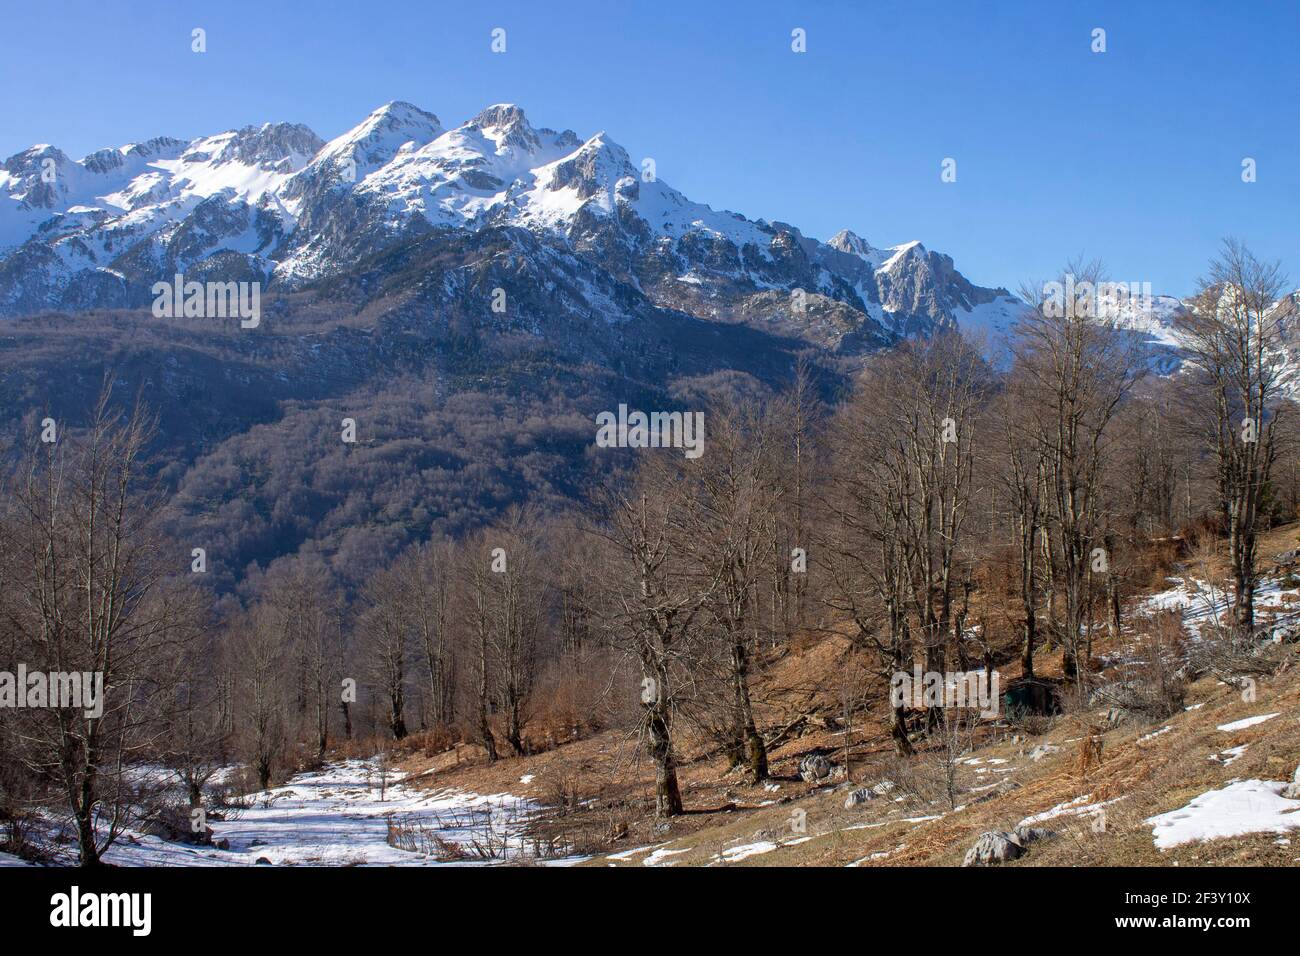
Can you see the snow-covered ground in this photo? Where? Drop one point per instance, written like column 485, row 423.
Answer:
column 1202, row 605
column 1078, row 807
column 339, row 816
column 1246, row 722
column 1243, row 806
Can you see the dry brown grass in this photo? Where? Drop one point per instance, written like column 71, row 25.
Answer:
column 603, row 785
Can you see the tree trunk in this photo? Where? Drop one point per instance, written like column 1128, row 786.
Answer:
column 84, row 812
column 484, row 727
column 753, row 752
column 898, row 732
column 668, row 795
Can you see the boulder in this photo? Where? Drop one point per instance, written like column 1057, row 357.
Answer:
column 998, row 846
column 1292, row 792
column 858, row 797
column 1026, row 835
column 815, row 767
column 995, row 846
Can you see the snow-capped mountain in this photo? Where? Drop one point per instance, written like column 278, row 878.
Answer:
column 277, row 204
column 98, row 232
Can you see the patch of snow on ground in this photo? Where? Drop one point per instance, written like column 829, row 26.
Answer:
column 1246, row 722
column 1077, row 807
column 336, row 816
column 628, row 854
column 1228, row 756
column 658, row 856
column 1243, row 806
column 745, row 850
column 1203, row 605
column 879, row 856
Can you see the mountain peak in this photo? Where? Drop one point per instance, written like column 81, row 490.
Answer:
column 846, row 240
column 601, row 143
column 505, row 116
column 23, row 159
column 900, row 252
column 268, row 145
column 400, row 113
column 401, row 108
column 377, row 138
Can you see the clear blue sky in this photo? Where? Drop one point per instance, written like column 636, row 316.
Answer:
column 1133, row 156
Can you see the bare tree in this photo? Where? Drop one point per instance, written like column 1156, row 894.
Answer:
column 728, row 501
column 193, row 743
column 654, row 605
column 306, row 603
column 517, row 612
column 900, row 498
column 477, row 635
column 430, row 579
column 1077, row 367
column 795, row 420
column 261, row 663
column 1234, row 333
column 1023, row 476
column 386, row 642
column 88, row 594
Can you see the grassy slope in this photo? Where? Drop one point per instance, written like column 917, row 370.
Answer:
column 1002, row 785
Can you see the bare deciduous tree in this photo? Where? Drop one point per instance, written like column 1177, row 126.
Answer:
column 1234, row 335
column 88, row 593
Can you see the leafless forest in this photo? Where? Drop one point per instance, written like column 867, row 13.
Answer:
column 968, row 505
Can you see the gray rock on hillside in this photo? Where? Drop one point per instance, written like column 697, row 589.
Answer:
column 995, row 846
column 1292, row 792
column 1026, row 835
column 998, row 846
column 858, row 797
column 815, row 767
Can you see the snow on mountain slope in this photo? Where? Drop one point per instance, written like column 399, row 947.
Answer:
column 94, row 232
column 276, row 201
column 466, row 171
column 600, row 177
column 277, row 204
column 365, row 148
column 42, row 181
column 122, row 184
